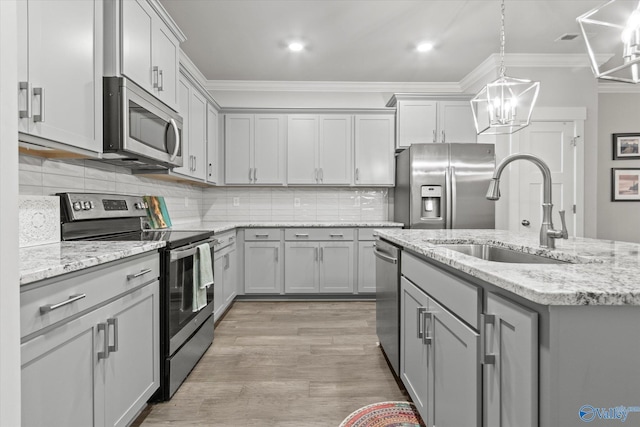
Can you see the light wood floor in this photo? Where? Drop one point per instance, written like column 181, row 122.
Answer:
column 284, row 364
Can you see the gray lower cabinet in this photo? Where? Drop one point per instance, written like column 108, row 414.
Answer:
column 511, row 375
column 225, row 265
column 301, row 274
column 319, row 267
column 262, row 268
column 96, row 370
column 366, row 267
column 439, row 363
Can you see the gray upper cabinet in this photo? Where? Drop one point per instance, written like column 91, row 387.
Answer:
column 254, row 149
column 374, row 150
column 319, row 149
column 149, row 49
column 420, row 120
column 193, row 109
column 213, row 165
column 60, row 85
column 511, row 368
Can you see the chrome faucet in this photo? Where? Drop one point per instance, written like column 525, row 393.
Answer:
column 547, row 233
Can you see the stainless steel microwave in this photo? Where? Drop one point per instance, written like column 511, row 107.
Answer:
column 140, row 132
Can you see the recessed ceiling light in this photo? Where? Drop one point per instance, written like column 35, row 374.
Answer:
column 424, row 47
column 296, row 46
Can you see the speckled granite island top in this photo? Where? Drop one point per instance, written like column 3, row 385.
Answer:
column 45, row 261
column 600, row 272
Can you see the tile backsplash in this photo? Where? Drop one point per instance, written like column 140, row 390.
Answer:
column 188, row 203
column 295, row 204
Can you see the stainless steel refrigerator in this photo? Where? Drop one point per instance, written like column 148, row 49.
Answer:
column 444, row 186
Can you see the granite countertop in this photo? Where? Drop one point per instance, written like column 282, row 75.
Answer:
column 600, row 272
column 45, row 261
column 221, row 227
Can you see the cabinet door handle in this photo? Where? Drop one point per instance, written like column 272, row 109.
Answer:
column 112, row 322
column 316, row 254
column 421, row 311
column 486, row 319
column 321, row 174
column 316, row 174
column 39, row 91
column 210, row 169
column 195, row 163
column 27, row 112
column 140, row 273
column 255, row 174
column 434, row 135
column 444, row 137
column 226, row 260
column 277, row 250
column 49, row 307
column 357, row 175
column 322, row 254
column 102, row 327
column 250, row 173
column 427, row 339
column 155, row 77
column 161, row 83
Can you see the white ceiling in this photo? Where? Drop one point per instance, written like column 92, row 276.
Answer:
column 366, row 40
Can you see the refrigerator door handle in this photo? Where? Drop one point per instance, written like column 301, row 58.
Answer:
column 454, row 195
column 448, row 197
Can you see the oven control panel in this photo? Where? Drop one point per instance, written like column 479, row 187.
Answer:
column 81, row 206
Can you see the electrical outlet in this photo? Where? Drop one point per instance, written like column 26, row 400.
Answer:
column 296, row 202
column 236, row 201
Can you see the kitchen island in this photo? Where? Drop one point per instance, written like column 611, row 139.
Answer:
column 520, row 344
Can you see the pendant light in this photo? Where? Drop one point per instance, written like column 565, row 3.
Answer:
column 613, row 28
column 505, row 105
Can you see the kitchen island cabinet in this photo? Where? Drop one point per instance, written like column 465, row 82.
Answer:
column 92, row 358
column 547, row 352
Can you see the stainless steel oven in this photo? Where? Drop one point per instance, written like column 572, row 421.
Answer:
column 139, row 130
column 185, row 334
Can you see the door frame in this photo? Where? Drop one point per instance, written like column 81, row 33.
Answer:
column 576, row 115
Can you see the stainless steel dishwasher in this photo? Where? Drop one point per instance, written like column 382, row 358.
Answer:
column 388, row 300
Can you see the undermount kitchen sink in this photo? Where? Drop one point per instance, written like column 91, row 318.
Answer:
column 499, row 254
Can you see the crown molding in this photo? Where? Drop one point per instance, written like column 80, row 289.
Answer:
column 327, row 86
column 168, row 20
column 619, row 87
column 188, row 68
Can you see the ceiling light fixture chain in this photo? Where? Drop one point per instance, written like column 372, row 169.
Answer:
column 505, row 105
column 503, row 69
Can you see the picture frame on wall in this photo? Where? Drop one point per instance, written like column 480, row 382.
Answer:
column 624, row 185
column 626, row 146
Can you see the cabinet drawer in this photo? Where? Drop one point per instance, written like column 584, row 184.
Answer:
column 303, row 234
column 366, row 234
column 97, row 284
column 457, row 295
column 225, row 239
column 261, row 234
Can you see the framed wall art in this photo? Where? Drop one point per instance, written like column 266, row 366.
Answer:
column 624, row 185
column 626, row 146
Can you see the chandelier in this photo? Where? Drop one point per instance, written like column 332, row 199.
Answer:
column 505, row 105
column 613, row 27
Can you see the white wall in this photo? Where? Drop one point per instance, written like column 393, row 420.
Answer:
column 9, row 277
column 618, row 113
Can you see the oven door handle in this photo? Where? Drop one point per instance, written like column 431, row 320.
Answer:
column 177, row 254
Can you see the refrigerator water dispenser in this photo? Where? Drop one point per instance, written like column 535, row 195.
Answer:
column 431, row 202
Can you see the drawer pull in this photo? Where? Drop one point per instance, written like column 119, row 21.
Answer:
column 49, row 307
column 336, row 235
column 301, row 235
column 136, row 275
column 261, row 235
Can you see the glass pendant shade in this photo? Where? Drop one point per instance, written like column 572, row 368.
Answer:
column 614, row 28
column 504, row 106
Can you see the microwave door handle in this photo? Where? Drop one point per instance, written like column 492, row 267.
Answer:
column 178, row 142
